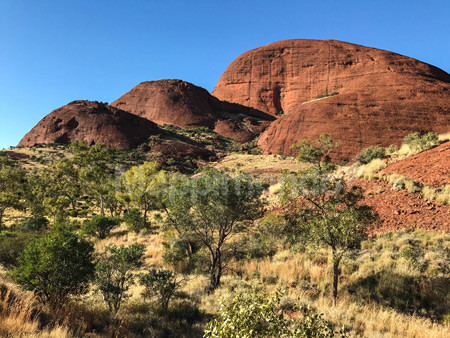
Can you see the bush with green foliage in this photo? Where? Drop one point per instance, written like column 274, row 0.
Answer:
column 211, row 208
column 35, row 223
column 12, row 184
column 254, row 246
column 421, row 142
column 159, row 283
column 371, row 153
column 100, row 226
column 139, row 186
column 113, row 273
column 56, row 265
column 12, row 243
column 256, row 314
column 134, row 221
column 184, row 254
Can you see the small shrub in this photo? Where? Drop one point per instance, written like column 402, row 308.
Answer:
column 441, row 195
column 444, row 194
column 371, row 153
column 73, row 213
column 429, row 193
column 270, row 279
column 271, row 225
column 56, row 265
column 100, row 226
column 258, row 315
column 412, row 186
column 36, row 223
column 159, row 283
column 397, row 181
column 418, row 142
column 113, row 276
column 134, row 221
column 391, row 149
column 12, row 243
column 256, row 246
column 184, row 255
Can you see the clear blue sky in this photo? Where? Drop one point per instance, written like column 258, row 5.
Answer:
column 54, row 52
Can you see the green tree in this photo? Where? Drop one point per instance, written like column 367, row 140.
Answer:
column 113, row 273
column 100, row 226
column 210, row 209
column 95, row 175
column 256, row 314
column 12, row 184
column 317, row 152
column 46, row 197
column 134, row 220
column 160, row 283
column 56, row 265
column 65, row 176
column 323, row 209
column 54, row 190
column 140, row 187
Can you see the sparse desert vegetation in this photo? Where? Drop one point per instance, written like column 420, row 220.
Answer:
column 152, row 251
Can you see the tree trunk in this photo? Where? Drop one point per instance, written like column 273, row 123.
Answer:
column 336, row 262
column 102, row 209
column 215, row 271
column 2, row 211
column 72, row 203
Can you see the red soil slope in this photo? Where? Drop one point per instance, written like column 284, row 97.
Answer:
column 399, row 209
column 382, row 96
column 431, row 167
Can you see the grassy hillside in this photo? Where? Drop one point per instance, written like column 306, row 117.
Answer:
column 395, row 284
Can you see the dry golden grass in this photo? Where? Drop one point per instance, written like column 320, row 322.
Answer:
column 12, row 217
column 370, row 170
column 444, row 137
column 18, row 316
column 257, row 164
column 304, row 276
column 441, row 195
column 370, row 320
column 121, row 236
column 40, row 157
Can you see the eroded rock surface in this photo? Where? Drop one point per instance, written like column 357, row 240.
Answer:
column 93, row 122
column 183, row 104
column 374, row 96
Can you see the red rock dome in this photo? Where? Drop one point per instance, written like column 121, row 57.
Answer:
column 93, row 122
column 360, row 95
column 183, row 104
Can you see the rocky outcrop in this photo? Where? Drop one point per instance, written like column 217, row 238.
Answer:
column 185, row 105
column 360, row 95
column 93, row 122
